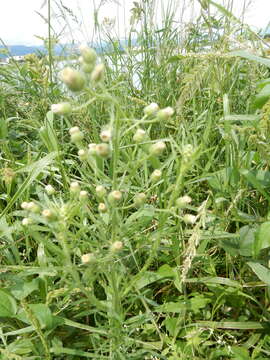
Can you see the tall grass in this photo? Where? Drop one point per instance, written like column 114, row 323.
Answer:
column 154, row 243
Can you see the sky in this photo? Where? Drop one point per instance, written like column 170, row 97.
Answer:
column 20, row 22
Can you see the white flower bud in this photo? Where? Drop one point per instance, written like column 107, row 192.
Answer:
column 48, row 214
column 139, row 199
column 157, row 148
column 83, row 154
column 114, row 196
column 103, row 150
column 27, row 221
column 24, row 205
column 106, row 135
column 139, row 136
column 92, row 149
column 116, row 246
column 156, row 175
column 74, row 130
column 189, row 219
column 183, row 201
column 89, row 55
column 98, row 73
column 83, row 195
column 76, row 136
column 87, row 68
column 88, row 258
column 72, row 78
column 101, row 191
column 151, row 109
column 75, row 187
column 102, row 207
column 34, row 208
column 61, row 109
column 165, row 114
column 50, row 190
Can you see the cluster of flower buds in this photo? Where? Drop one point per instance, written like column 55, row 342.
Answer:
column 31, row 207
column 88, row 60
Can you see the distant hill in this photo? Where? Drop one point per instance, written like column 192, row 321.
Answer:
column 59, row 49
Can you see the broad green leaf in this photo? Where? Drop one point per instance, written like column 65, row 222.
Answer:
column 251, row 178
column 246, row 240
column 262, row 238
column 262, row 97
column 8, row 306
column 248, row 56
column 148, row 278
column 193, row 304
column 166, row 271
column 42, row 312
column 24, row 288
column 261, row 271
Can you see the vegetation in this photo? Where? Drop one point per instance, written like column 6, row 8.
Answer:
column 135, row 214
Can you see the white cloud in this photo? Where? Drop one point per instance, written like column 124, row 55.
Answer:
column 19, row 22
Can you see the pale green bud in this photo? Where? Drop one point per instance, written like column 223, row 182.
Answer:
column 87, row 68
column 48, row 214
column 27, row 221
column 92, row 149
column 83, row 154
column 157, row 148
column 75, row 187
column 101, row 191
column 106, row 135
column 72, row 78
column 50, row 190
column 88, row 258
column 165, row 114
column 34, row 208
column 89, row 55
column 76, row 136
column 102, row 207
column 116, row 246
column 83, row 195
column 62, row 108
column 114, row 196
column 24, row 205
column 98, row 73
column 189, row 219
column 103, row 150
column 183, row 201
column 156, row 175
column 151, row 109
column 139, row 136
column 139, row 199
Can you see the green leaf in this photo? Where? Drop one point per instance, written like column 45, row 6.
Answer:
column 8, row 306
column 252, row 179
column 246, row 240
column 41, row 312
column 261, row 271
column 248, row 56
column 262, row 97
column 262, row 239
column 24, row 288
column 194, row 304
column 166, row 271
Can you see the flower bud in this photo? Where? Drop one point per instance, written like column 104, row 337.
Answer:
column 139, row 136
column 48, row 214
column 139, row 199
column 61, row 109
column 156, row 175
column 88, row 258
column 189, row 219
column 103, row 150
column 157, row 148
column 106, row 135
column 24, row 205
column 102, row 207
column 89, row 55
column 98, row 73
column 83, row 154
column 183, row 201
column 116, row 246
column 74, row 130
column 50, row 190
column 87, row 68
column 75, row 187
column 101, row 191
column 76, row 135
column 34, row 208
column 72, row 78
column 165, row 114
column 27, row 221
column 83, row 195
column 92, row 149
column 114, row 196
column 151, row 109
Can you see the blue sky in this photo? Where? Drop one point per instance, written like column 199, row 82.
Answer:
column 19, row 21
